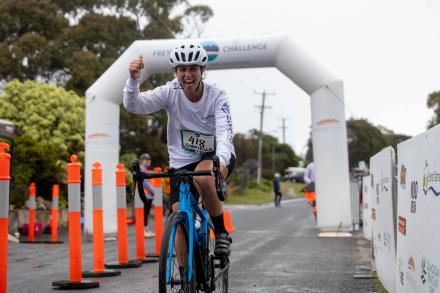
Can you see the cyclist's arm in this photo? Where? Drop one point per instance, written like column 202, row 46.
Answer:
column 145, row 102
column 223, row 131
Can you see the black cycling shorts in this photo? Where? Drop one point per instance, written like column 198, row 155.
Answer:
column 174, row 183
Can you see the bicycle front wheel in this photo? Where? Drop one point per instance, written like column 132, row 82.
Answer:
column 220, row 270
column 173, row 261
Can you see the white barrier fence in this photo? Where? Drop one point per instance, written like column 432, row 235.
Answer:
column 418, row 213
column 366, row 207
column 404, row 199
column 355, row 204
column 383, row 203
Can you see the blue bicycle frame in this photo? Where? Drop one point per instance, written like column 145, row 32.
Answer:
column 187, row 203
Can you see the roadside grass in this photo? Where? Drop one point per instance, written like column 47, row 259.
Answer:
column 261, row 194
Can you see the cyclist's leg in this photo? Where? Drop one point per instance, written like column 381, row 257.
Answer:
column 206, row 188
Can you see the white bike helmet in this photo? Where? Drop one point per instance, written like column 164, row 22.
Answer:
column 188, row 54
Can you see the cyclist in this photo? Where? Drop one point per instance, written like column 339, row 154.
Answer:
column 199, row 126
column 277, row 188
column 309, row 189
column 145, row 164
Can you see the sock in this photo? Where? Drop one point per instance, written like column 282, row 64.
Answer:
column 219, row 224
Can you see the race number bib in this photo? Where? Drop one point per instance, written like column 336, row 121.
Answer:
column 197, row 142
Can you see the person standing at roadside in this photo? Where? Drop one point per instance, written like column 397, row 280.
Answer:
column 145, row 164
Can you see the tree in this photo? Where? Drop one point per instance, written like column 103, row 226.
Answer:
column 434, row 103
column 72, row 43
column 51, row 121
column 282, row 156
column 195, row 18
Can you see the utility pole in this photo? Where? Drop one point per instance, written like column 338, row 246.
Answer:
column 284, row 129
column 260, row 138
column 273, row 159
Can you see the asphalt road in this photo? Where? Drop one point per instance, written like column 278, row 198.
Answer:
column 274, row 250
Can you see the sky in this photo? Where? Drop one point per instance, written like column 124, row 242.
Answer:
column 387, row 52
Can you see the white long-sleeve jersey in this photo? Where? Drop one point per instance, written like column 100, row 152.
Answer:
column 209, row 116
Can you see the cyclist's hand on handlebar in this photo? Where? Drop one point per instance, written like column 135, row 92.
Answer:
column 223, row 172
column 136, row 67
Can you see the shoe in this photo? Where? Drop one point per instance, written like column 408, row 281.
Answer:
column 148, row 233
column 222, row 244
column 12, row 238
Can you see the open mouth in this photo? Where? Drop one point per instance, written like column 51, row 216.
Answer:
column 188, row 83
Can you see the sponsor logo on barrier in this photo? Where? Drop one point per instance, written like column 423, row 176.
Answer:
column 387, row 240
column 402, row 225
column 372, row 180
column 401, row 274
column 403, row 176
column 431, row 181
column 384, row 184
column 430, row 274
column 377, row 193
column 373, row 214
column 414, row 192
column 410, row 274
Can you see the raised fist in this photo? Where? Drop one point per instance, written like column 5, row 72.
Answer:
column 136, row 67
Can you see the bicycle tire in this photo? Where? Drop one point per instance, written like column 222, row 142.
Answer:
column 218, row 283
column 177, row 283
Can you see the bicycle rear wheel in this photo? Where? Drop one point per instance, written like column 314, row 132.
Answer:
column 178, row 282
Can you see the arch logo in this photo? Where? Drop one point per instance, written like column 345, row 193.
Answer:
column 212, row 49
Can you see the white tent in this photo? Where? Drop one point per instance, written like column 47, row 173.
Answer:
column 327, row 101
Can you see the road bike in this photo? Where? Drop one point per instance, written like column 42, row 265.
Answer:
column 189, row 265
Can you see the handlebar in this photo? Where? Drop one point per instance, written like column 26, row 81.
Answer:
column 139, row 177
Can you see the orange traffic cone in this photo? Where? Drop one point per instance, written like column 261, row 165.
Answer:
column 228, row 221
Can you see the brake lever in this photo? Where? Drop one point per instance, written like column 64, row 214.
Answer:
column 216, row 169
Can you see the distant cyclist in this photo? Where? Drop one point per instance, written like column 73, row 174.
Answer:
column 309, row 189
column 199, row 126
column 276, row 184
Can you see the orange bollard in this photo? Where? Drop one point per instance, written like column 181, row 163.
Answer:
column 122, row 224
column 156, row 183
column 5, row 160
column 74, row 189
column 54, row 216
column 98, row 228
column 228, row 221
column 32, row 206
column 31, row 226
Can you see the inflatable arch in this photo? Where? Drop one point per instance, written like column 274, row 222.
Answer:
column 329, row 134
